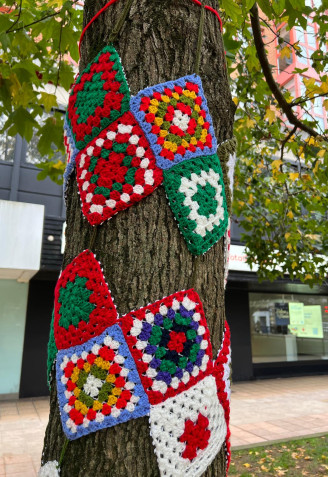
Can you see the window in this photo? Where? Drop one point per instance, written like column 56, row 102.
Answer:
column 284, row 62
column 314, row 111
column 288, row 327
column 32, row 154
column 307, row 42
column 7, row 144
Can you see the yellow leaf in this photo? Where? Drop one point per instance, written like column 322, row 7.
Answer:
column 322, row 152
column 306, row 177
column 325, row 104
column 250, row 122
column 290, row 214
column 287, row 235
column 247, row 465
column 264, row 468
column 276, row 164
column 289, row 246
column 293, row 176
column 308, row 277
column 294, row 265
column 235, row 100
column 285, row 52
column 270, row 115
column 250, row 199
column 48, row 101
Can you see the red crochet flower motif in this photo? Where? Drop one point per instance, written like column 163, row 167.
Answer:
column 196, row 435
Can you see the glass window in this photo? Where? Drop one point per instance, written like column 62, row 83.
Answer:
column 32, row 154
column 288, row 327
column 7, row 144
column 311, row 37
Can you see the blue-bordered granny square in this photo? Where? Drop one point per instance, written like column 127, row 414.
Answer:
column 98, row 385
column 176, row 121
column 71, row 152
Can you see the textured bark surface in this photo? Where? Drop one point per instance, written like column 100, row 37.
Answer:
column 143, row 255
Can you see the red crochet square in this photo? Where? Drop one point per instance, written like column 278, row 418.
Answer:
column 83, row 304
column 116, row 170
column 170, row 343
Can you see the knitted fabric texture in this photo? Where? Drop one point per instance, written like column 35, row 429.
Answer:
column 116, row 170
column 99, row 96
column 227, row 243
column 175, row 119
column 83, row 303
column 188, row 430
column 49, row 469
column 222, row 376
column 195, row 190
column 52, row 350
column 71, row 152
column 98, row 385
column 170, row 343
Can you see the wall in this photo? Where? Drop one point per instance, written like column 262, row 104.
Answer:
column 13, row 303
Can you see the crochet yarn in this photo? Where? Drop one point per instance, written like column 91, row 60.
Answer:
column 175, row 119
column 98, row 385
column 52, row 350
column 170, row 343
column 188, row 430
column 222, row 376
column 71, row 152
column 83, row 303
column 49, row 469
column 99, row 96
column 116, row 170
column 195, row 190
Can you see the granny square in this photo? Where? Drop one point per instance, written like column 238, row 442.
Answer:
column 221, row 373
column 195, row 190
column 116, row 170
column 175, row 119
column 83, row 304
column 98, row 385
column 71, row 152
column 188, row 430
column 99, row 96
column 170, row 343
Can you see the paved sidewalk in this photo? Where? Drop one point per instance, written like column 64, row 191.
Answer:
column 276, row 409
column 261, row 411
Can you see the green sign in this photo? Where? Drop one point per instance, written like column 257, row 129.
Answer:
column 305, row 321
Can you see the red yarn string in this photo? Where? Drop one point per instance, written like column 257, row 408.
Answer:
column 92, row 20
column 197, row 2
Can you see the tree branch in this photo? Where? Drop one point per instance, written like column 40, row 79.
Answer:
column 18, row 17
column 260, row 49
column 296, row 102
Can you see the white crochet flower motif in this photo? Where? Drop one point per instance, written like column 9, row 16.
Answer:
column 50, row 469
column 181, row 120
column 189, row 188
column 92, row 386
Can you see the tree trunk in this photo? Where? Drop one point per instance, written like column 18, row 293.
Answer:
column 143, row 255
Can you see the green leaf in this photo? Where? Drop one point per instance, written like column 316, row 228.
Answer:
column 232, row 10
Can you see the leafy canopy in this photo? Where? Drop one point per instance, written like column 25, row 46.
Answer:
column 280, row 197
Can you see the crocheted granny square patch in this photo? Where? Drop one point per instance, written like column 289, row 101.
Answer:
column 71, row 152
column 188, row 430
column 98, row 385
column 176, row 120
column 170, row 343
column 99, row 96
column 222, row 376
column 116, row 170
column 83, row 304
column 195, row 190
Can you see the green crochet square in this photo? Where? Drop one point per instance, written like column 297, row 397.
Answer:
column 195, row 190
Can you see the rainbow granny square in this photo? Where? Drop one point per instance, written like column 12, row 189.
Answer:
column 175, row 119
column 170, row 343
column 195, row 190
column 116, row 170
column 98, row 385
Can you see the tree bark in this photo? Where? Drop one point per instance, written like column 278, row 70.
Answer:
column 143, row 255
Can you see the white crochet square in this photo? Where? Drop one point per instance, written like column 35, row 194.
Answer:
column 168, row 424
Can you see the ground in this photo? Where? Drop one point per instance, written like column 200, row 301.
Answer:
column 304, row 457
